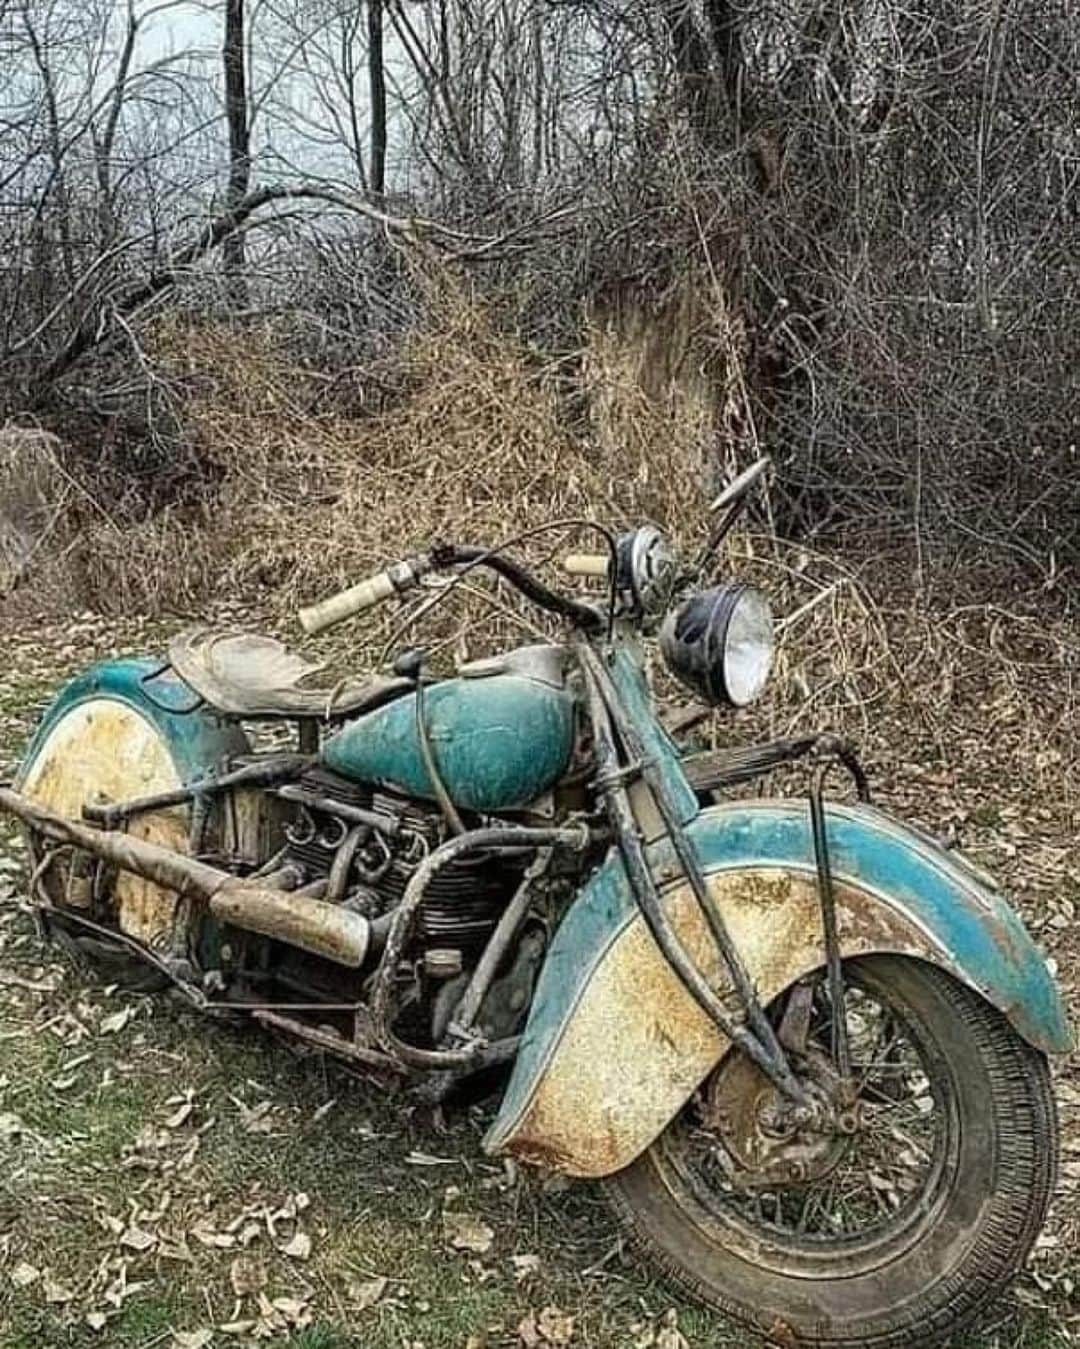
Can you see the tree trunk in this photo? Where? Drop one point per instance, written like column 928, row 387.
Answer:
column 377, row 85
column 236, row 117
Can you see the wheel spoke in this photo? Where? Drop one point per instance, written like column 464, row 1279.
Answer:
column 856, row 1184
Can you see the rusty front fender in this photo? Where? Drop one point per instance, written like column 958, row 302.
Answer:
column 615, row 1046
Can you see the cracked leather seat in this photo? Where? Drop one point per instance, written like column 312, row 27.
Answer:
column 248, row 675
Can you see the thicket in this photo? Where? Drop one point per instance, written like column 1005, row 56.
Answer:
column 580, row 256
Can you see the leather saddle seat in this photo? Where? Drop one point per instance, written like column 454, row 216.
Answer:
column 248, row 675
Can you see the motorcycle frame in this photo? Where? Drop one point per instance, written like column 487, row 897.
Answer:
column 621, row 729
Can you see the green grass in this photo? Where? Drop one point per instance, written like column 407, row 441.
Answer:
column 371, row 1211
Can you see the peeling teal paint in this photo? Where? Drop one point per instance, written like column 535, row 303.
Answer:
column 628, row 674
column 199, row 742
column 979, row 936
column 499, row 742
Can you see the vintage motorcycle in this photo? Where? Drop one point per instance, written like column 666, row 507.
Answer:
column 803, row 1045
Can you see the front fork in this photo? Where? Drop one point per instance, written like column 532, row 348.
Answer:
column 622, row 762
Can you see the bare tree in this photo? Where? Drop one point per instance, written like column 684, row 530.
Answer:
column 883, row 192
column 236, row 119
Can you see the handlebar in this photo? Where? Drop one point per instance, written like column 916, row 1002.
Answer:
column 395, row 580
column 402, row 576
column 581, row 615
column 587, row 564
column 738, row 487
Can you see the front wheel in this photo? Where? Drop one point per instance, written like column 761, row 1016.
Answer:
column 895, row 1233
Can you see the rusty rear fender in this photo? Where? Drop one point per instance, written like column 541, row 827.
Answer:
column 199, row 742
column 614, row 1045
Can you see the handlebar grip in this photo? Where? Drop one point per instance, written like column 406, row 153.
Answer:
column 587, row 564
column 346, row 603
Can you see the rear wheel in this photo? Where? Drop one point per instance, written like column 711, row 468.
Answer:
column 894, row 1233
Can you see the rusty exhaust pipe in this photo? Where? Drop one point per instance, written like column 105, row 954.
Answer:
column 316, row 927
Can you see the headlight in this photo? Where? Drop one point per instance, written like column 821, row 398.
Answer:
column 720, row 644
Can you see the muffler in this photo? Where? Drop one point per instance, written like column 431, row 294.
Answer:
column 316, row 927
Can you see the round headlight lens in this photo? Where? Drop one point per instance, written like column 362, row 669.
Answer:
column 720, row 644
column 748, row 647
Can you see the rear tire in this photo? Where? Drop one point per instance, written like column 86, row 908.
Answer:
column 967, row 1237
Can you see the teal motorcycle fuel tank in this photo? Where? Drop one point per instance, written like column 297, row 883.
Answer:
column 501, row 735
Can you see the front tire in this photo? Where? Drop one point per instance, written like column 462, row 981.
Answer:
column 940, row 1259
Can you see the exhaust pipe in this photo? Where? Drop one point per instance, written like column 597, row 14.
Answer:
column 316, row 927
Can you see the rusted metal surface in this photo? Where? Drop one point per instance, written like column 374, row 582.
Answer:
column 266, row 773
column 141, row 857
column 708, row 770
column 492, row 840
column 321, row 929
column 327, row 1040
column 314, row 926
column 763, row 1146
column 737, row 1013
column 638, row 1044
column 100, row 751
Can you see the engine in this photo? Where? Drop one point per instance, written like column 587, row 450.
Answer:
column 348, row 862
column 351, row 844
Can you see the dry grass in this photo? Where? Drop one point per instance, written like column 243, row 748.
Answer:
column 462, row 434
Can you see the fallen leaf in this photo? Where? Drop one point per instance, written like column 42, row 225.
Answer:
column 192, row 1339
column 180, row 1115
column 55, row 1292
column 527, row 1331
column 138, row 1239
column 23, row 1275
column 524, row 1265
column 295, row 1310
column 10, row 1126
column 466, row 1232
column 555, row 1325
column 120, row 1290
column 96, row 1320
column 116, row 1021
column 256, row 1119
column 299, row 1246
column 365, row 1294
column 670, row 1336
column 205, row 1235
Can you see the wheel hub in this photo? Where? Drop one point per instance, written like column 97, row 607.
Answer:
column 768, row 1141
